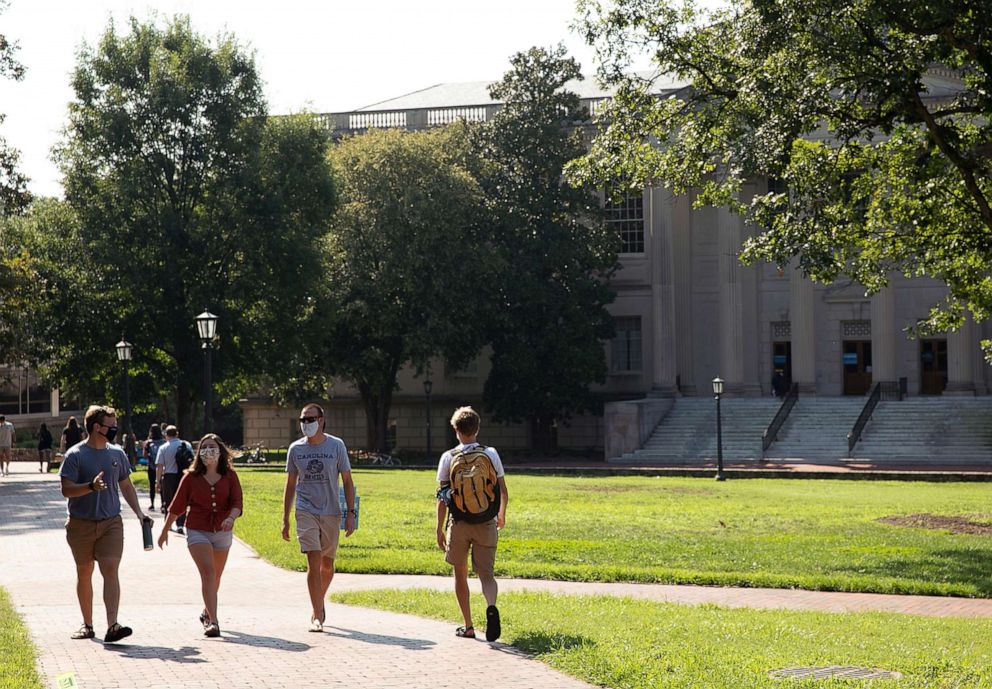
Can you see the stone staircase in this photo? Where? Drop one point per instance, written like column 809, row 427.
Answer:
column 917, row 430
column 688, row 433
column 942, row 430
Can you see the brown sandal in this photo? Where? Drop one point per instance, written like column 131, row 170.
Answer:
column 84, row 632
column 465, row 632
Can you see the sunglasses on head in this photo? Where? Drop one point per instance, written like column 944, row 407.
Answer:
column 309, row 419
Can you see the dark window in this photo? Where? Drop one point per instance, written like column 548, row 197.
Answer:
column 626, row 216
column 626, row 346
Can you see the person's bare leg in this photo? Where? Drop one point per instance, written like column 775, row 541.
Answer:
column 84, row 591
column 462, row 593
column 203, row 556
column 220, row 561
column 326, row 575
column 315, row 584
column 111, row 587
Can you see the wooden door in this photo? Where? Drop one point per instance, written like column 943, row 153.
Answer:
column 933, row 366
column 857, row 366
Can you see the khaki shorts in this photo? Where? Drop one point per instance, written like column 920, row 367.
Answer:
column 92, row 540
column 4, row 454
column 481, row 537
column 318, row 532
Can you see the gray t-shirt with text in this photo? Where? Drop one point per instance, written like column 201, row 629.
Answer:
column 317, row 468
column 81, row 465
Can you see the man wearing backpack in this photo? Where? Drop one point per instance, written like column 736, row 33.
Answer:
column 473, row 491
column 173, row 458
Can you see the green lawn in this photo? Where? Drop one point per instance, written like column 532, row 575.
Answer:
column 813, row 534
column 632, row 644
column 17, row 657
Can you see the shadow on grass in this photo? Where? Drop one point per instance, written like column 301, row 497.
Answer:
column 954, row 566
column 536, row 643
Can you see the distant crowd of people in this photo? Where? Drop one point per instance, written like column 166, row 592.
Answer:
column 201, row 497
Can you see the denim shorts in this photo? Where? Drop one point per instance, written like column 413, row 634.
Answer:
column 218, row 540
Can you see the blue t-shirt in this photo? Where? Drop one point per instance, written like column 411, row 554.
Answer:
column 81, row 465
column 317, row 468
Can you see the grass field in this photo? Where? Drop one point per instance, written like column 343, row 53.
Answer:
column 628, row 644
column 813, row 534
column 17, row 657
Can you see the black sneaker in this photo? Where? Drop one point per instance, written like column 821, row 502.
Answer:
column 116, row 633
column 493, row 629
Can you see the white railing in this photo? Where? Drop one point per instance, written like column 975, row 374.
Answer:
column 442, row 116
column 376, row 120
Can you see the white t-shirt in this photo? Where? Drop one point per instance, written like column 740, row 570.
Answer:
column 444, row 466
column 6, row 434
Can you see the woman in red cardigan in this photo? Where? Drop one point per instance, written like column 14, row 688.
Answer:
column 211, row 493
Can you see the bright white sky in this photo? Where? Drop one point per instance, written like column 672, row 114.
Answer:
column 327, row 55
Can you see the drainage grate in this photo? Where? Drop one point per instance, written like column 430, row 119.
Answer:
column 833, row 672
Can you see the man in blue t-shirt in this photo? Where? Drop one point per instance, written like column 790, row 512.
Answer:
column 92, row 474
column 313, row 464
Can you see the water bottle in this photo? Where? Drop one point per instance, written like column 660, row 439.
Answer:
column 146, row 532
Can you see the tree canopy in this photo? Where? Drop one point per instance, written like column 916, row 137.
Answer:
column 407, row 271
column 548, row 331
column 14, row 195
column 181, row 195
column 875, row 116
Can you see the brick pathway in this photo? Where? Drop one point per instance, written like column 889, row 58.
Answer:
column 264, row 613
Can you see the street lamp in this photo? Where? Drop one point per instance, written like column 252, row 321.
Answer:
column 717, row 392
column 428, row 386
column 124, row 349
column 206, row 326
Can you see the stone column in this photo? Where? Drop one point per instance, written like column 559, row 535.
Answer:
column 730, row 228
column 682, row 272
column 883, row 340
column 960, row 358
column 662, row 293
column 54, row 397
column 803, row 325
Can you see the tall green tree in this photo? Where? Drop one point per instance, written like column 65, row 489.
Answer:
column 875, row 114
column 186, row 196
column 408, row 270
column 14, row 195
column 555, row 252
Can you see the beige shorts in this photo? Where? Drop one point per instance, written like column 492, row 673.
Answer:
column 318, row 532
column 481, row 538
column 92, row 540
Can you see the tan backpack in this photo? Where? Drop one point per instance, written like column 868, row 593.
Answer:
column 474, row 490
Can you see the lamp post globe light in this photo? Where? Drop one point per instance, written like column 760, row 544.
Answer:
column 428, row 386
column 717, row 392
column 206, row 327
column 124, row 351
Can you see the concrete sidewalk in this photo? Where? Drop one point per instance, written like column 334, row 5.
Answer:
column 264, row 613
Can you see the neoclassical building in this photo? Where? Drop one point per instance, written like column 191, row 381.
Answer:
column 686, row 311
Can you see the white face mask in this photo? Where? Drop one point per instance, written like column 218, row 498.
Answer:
column 309, row 429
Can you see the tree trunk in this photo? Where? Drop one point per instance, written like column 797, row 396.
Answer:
column 377, row 404
column 543, row 434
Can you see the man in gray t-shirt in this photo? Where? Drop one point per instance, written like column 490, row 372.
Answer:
column 313, row 465
column 92, row 473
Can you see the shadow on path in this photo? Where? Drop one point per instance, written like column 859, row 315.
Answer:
column 233, row 637
column 31, row 505
column 184, row 654
column 411, row 644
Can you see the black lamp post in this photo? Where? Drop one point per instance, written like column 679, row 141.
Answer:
column 717, row 392
column 428, row 386
column 124, row 349
column 206, row 326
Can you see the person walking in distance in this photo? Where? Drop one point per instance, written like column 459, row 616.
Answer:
column 473, row 492
column 150, row 448
column 44, row 447
column 6, row 444
column 94, row 475
column 169, row 467
column 72, row 435
column 313, row 464
column 210, row 490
